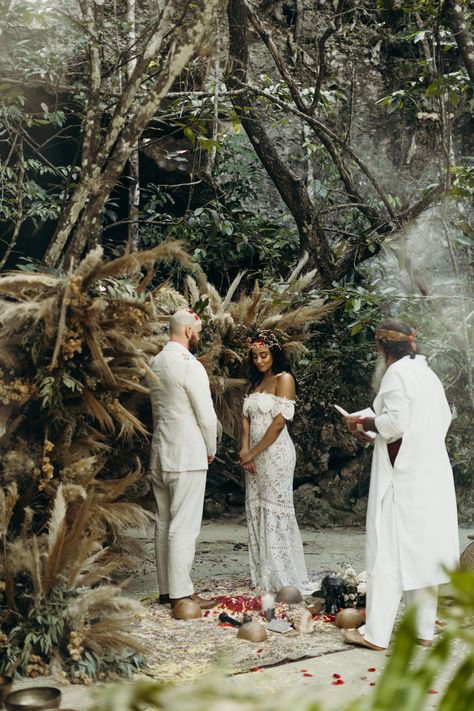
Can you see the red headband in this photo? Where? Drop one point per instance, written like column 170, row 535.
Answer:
column 386, row 334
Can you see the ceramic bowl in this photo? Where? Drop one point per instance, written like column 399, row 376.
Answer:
column 33, row 698
column 6, row 683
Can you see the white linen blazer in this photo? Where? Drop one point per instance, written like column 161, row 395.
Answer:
column 411, row 404
column 184, row 421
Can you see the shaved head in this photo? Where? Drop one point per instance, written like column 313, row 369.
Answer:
column 183, row 318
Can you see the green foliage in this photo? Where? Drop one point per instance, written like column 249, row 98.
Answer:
column 228, row 234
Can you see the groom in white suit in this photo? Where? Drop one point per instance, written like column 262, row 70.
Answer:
column 183, row 446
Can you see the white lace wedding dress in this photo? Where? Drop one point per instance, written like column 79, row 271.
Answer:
column 275, row 546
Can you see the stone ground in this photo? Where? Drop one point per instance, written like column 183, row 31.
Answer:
column 222, row 551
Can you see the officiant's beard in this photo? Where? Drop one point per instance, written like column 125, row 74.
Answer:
column 380, row 370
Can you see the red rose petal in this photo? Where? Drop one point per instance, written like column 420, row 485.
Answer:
column 260, row 650
column 337, row 682
column 372, row 683
column 256, row 669
column 207, row 613
column 336, row 676
column 432, row 691
column 371, row 669
column 307, row 674
column 303, row 670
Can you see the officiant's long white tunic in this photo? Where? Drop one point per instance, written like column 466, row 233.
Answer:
column 412, row 531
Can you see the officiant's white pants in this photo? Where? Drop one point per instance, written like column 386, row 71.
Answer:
column 384, row 588
column 179, row 501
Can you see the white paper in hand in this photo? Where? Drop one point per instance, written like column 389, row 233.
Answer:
column 367, row 412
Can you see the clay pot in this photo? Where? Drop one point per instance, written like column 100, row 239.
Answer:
column 348, row 619
column 289, row 594
column 186, row 610
column 252, row 632
column 33, row 699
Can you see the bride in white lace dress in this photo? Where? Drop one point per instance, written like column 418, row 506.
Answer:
column 268, row 456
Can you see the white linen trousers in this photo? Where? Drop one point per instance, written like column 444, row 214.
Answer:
column 385, row 587
column 180, row 501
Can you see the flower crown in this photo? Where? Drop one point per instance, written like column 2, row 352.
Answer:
column 386, row 334
column 265, row 338
column 193, row 313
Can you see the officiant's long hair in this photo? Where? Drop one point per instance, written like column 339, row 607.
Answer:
column 281, row 363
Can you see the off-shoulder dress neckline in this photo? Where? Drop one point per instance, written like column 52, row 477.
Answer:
column 262, row 392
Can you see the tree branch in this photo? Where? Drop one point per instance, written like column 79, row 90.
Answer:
column 458, row 24
column 291, row 188
column 93, row 190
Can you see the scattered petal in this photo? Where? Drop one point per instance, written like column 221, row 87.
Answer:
column 432, row 691
column 371, row 669
column 207, row 613
column 337, row 682
column 307, row 674
column 256, row 669
column 259, row 651
column 372, row 683
column 336, row 676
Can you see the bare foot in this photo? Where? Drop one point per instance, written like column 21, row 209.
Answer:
column 355, row 637
column 424, row 642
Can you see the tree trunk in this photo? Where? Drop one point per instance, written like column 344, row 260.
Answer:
column 290, row 186
column 458, row 24
column 191, row 19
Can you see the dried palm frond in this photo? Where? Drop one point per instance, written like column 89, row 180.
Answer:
column 284, row 307
column 25, row 285
column 109, row 635
column 8, row 500
column 104, row 601
column 123, row 515
column 57, row 518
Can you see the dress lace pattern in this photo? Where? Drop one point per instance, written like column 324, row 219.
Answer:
column 275, row 546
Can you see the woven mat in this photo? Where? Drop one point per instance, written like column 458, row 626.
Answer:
column 182, row 650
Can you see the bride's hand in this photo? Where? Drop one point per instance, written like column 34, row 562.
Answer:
column 250, row 467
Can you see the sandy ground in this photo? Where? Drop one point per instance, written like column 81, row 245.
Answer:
column 222, row 551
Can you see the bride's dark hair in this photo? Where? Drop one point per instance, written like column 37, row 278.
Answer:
column 281, row 363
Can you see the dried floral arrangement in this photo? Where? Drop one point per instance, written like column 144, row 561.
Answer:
column 73, row 355
column 74, row 433
column 289, row 308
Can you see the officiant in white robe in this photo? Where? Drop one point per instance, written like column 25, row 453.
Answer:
column 412, row 531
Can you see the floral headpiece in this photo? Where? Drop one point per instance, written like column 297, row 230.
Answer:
column 193, row 313
column 386, row 334
column 265, row 338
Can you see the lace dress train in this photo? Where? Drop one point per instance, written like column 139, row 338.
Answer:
column 275, row 546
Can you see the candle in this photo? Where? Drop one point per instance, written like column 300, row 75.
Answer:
column 268, row 605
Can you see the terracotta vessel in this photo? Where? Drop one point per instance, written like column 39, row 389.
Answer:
column 289, row 594
column 348, row 619
column 33, row 698
column 252, row 632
